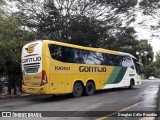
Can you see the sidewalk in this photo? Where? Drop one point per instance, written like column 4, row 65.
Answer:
column 14, row 96
column 158, row 103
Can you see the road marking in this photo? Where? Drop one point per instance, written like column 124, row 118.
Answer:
column 105, row 117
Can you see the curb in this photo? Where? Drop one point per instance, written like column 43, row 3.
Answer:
column 14, row 96
column 158, row 103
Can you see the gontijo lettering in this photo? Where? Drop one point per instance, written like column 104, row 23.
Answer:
column 33, row 59
column 92, row 69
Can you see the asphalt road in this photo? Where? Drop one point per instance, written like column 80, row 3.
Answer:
column 101, row 105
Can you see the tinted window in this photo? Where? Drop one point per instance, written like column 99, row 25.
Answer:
column 89, row 57
column 113, row 60
column 56, row 52
column 69, row 55
column 80, row 56
column 74, row 55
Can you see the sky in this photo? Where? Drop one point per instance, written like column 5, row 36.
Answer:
column 156, row 45
column 146, row 27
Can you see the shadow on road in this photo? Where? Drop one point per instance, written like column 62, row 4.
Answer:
column 114, row 90
column 50, row 98
column 54, row 98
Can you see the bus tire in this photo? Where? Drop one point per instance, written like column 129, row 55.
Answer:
column 90, row 88
column 131, row 84
column 77, row 89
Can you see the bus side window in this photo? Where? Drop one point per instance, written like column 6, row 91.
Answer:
column 55, row 52
column 110, row 60
column 98, row 58
column 117, row 60
column 106, row 59
column 69, row 55
column 89, row 58
column 79, row 56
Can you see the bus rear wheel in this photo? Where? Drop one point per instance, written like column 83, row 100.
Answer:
column 77, row 90
column 90, row 88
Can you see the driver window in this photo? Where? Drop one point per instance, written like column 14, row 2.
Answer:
column 127, row 62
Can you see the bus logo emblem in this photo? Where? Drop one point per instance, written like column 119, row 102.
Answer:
column 30, row 48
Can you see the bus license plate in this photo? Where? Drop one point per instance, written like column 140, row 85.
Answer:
column 31, row 89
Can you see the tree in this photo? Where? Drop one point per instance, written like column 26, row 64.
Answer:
column 158, row 63
column 153, row 69
column 150, row 70
column 143, row 47
column 12, row 38
column 150, row 6
column 158, row 59
column 95, row 23
column 75, row 21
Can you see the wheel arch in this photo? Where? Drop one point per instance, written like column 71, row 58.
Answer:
column 80, row 81
column 132, row 79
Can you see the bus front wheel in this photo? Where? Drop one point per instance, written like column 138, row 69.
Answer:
column 77, row 90
column 131, row 84
column 90, row 88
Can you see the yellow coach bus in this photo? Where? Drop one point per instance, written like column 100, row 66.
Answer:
column 51, row 67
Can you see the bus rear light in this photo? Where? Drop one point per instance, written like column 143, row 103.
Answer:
column 22, row 80
column 44, row 78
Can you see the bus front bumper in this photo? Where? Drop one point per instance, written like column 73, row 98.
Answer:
column 138, row 82
column 35, row 90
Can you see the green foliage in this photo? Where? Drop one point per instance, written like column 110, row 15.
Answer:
column 141, row 48
column 75, row 22
column 158, row 59
column 89, row 23
column 158, row 64
column 12, row 39
column 154, row 67
column 150, row 70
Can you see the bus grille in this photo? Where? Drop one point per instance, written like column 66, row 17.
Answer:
column 31, row 66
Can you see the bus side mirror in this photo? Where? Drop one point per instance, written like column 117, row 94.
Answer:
column 132, row 67
column 140, row 67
